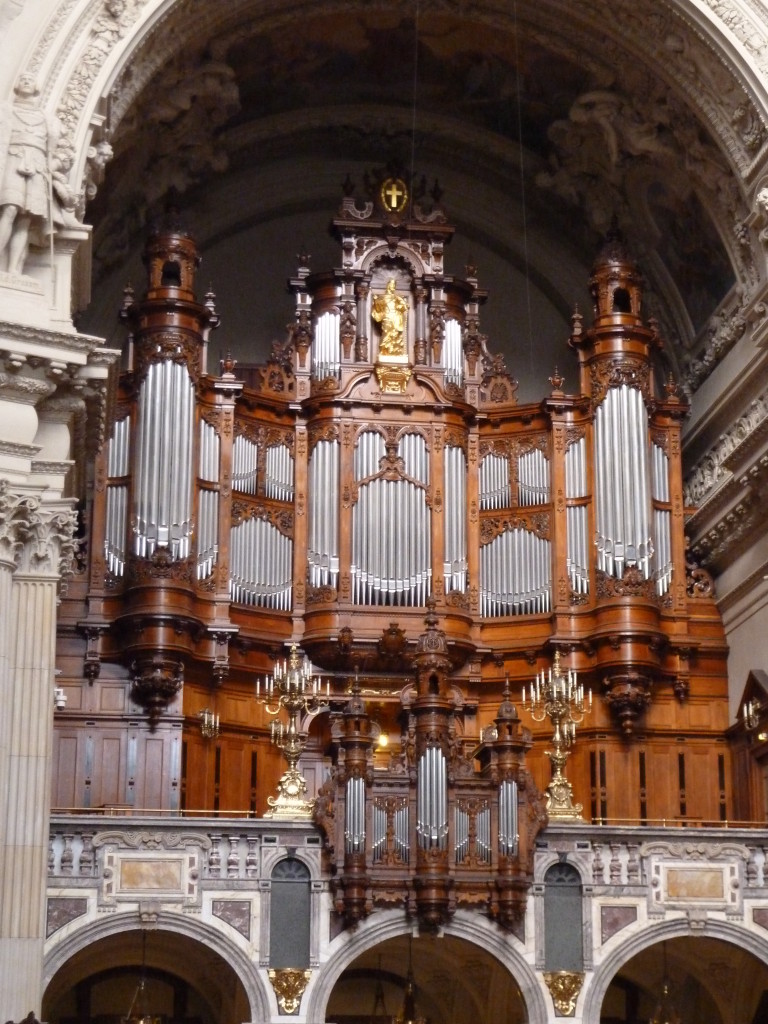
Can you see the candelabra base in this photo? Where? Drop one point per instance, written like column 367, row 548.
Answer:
column 560, row 805
column 291, row 801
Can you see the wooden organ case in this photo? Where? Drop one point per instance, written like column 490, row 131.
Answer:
column 377, row 473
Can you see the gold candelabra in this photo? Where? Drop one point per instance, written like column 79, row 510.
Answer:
column 293, row 686
column 559, row 696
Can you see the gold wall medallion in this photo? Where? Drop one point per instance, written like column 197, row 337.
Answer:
column 289, row 984
column 564, row 987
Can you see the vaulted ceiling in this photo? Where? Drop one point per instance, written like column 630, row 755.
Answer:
column 543, row 123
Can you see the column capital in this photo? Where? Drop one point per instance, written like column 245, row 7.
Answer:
column 36, row 539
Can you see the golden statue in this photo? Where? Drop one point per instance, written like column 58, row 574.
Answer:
column 390, row 310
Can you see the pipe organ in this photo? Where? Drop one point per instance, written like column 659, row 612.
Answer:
column 379, row 465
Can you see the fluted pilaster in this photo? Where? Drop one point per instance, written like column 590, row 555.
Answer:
column 36, row 548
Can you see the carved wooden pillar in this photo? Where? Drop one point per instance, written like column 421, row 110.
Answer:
column 432, row 709
column 356, row 776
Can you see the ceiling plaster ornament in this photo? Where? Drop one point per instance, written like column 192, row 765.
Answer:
column 711, row 470
column 725, row 329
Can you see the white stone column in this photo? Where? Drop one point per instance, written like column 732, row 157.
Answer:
column 36, row 548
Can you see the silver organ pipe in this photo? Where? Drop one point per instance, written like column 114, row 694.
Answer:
column 662, row 519
column 162, row 482
column 482, row 833
column 533, row 478
column 515, row 574
column 208, row 501
column 495, row 489
column 432, row 800
column 577, row 531
column 245, row 460
column 622, row 492
column 389, row 816
column 455, row 538
column 508, row 827
column 261, row 565
column 391, row 560
column 326, row 347
column 118, row 464
column 453, row 353
column 354, row 815
column 323, row 540
column 278, row 473
column 207, row 532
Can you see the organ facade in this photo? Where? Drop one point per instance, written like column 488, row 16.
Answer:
column 375, row 494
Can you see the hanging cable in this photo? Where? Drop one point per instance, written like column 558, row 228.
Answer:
column 526, row 264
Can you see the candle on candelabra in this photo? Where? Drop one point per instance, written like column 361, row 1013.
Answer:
column 559, row 696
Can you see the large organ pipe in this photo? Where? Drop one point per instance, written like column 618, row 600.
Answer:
column 279, row 473
column 495, row 490
column 432, row 800
column 116, row 525
column 533, row 478
column 623, row 533
column 261, row 565
column 354, row 815
column 391, row 524
column 662, row 519
column 577, row 561
column 453, row 353
column 323, row 542
column 508, row 828
column 455, row 538
column 208, row 501
column 245, row 458
column 162, row 485
column 326, row 348
column 515, row 574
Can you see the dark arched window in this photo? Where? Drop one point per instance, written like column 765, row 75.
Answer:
column 289, row 915
column 563, row 941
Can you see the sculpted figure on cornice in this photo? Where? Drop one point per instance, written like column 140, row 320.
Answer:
column 27, row 140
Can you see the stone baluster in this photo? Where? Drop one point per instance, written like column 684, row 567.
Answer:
column 86, row 855
column 614, row 869
column 233, row 860
column 252, row 859
column 67, row 855
column 633, row 865
column 598, row 868
column 214, row 857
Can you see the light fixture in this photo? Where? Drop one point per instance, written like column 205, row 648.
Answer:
column 294, row 686
column 209, row 723
column 408, row 1013
column 138, row 1012
column 560, row 697
column 666, row 1012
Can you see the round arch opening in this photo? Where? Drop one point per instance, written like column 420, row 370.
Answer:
column 690, row 978
column 452, row 979
column 145, row 973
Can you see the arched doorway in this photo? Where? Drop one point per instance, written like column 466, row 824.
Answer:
column 172, row 978
column 452, row 980
column 708, row 981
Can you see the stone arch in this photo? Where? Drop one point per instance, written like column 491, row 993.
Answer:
column 653, row 933
column 474, row 929
column 59, row 954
